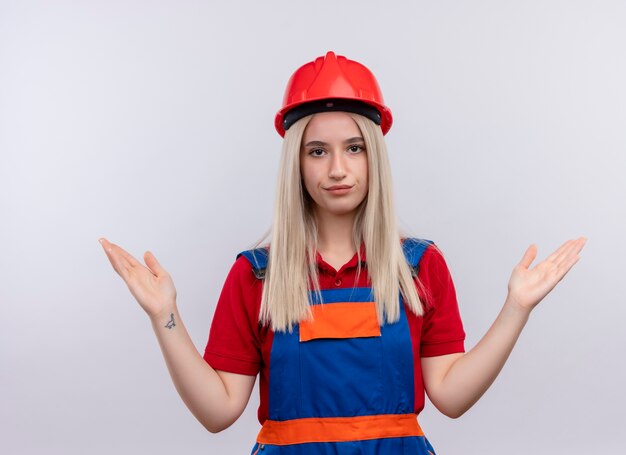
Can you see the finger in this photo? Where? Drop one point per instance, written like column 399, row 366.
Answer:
column 116, row 261
column 566, row 266
column 106, row 245
column 580, row 243
column 108, row 249
column 573, row 255
column 529, row 256
column 122, row 261
column 126, row 255
column 153, row 264
column 560, row 251
column 573, row 248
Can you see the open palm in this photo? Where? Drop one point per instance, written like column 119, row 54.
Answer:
column 528, row 286
column 151, row 285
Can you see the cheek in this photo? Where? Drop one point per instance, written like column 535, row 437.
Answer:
column 365, row 175
column 307, row 180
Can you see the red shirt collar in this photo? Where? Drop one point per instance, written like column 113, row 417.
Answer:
column 352, row 263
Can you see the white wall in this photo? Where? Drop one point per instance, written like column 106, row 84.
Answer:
column 151, row 123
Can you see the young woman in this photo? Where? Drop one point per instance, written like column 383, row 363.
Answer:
column 347, row 323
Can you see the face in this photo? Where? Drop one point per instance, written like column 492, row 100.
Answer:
column 333, row 163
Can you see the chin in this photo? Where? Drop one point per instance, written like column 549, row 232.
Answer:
column 341, row 211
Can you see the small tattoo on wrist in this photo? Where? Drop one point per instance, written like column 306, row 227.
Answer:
column 171, row 324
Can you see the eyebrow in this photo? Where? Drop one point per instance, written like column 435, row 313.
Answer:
column 323, row 144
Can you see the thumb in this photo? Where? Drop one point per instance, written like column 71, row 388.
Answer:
column 529, row 256
column 153, row 264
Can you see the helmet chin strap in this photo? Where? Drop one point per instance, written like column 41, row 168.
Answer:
column 328, row 105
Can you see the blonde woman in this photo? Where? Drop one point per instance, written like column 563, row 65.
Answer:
column 346, row 323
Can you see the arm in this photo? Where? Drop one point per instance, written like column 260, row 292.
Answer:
column 455, row 382
column 216, row 398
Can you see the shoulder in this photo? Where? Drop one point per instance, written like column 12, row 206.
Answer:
column 434, row 277
column 256, row 260
column 429, row 267
column 416, row 248
column 240, row 298
column 434, row 257
column 241, row 268
column 243, row 279
column 421, row 253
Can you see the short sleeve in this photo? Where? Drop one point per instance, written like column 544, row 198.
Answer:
column 442, row 328
column 234, row 343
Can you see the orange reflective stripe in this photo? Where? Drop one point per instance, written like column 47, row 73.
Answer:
column 338, row 429
column 341, row 320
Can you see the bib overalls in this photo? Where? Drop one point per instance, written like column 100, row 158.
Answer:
column 342, row 384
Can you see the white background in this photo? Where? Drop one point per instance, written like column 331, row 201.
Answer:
column 151, row 123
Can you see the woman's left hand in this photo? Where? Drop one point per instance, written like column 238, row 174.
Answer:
column 528, row 286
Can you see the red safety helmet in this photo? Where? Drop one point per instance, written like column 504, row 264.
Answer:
column 332, row 83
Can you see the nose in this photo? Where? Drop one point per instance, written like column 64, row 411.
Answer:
column 337, row 166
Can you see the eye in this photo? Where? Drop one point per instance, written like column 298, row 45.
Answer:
column 356, row 148
column 317, row 152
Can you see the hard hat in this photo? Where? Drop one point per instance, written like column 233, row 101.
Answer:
column 332, row 83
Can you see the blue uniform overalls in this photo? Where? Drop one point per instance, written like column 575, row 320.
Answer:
column 342, row 384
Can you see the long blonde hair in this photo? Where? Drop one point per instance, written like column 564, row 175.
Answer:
column 292, row 267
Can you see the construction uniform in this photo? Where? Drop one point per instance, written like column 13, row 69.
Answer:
column 340, row 384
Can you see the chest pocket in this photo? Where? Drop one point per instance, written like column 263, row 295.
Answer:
column 341, row 320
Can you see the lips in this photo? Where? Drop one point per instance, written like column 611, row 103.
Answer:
column 338, row 187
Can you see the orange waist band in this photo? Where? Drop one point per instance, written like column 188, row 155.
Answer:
column 338, row 429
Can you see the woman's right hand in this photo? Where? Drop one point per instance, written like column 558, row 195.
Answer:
column 151, row 286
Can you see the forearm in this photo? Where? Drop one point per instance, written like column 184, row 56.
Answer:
column 470, row 376
column 199, row 385
column 455, row 382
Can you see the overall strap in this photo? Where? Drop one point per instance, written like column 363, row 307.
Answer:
column 258, row 258
column 413, row 250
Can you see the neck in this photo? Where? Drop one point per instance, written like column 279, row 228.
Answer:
column 334, row 234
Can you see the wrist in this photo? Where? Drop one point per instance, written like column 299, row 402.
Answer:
column 513, row 308
column 165, row 317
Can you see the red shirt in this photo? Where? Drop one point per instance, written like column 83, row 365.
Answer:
column 239, row 344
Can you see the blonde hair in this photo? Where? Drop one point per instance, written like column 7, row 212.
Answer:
column 292, row 267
